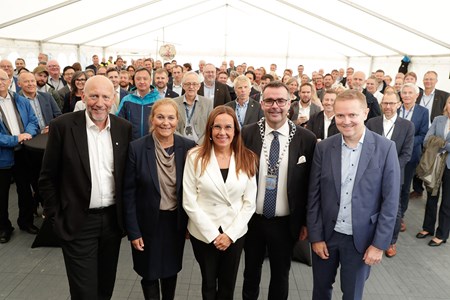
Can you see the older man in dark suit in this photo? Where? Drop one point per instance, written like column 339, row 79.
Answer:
column 353, row 200
column 401, row 132
column 81, row 183
column 285, row 152
column 212, row 89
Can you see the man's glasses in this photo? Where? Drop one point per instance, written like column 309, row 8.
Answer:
column 280, row 102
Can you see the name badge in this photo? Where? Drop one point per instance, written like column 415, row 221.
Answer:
column 271, row 182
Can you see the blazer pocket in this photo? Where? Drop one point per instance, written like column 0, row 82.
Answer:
column 374, row 218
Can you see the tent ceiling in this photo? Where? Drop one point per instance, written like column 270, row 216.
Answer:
column 295, row 28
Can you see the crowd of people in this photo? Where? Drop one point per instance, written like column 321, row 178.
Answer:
column 235, row 158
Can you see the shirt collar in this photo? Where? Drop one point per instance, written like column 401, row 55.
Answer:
column 283, row 130
column 360, row 142
column 195, row 99
column 391, row 120
column 8, row 97
column 91, row 125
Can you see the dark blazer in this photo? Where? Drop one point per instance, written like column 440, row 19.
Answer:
column 302, row 144
column 221, row 94
column 375, row 197
column 255, row 94
column 123, row 93
column 254, row 112
column 402, row 136
column 16, row 80
column 63, row 92
column 372, row 104
column 440, row 98
column 171, row 94
column 316, row 124
column 420, row 119
column 65, row 180
column 141, row 190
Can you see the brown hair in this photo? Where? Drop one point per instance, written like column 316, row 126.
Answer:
column 246, row 160
column 352, row 95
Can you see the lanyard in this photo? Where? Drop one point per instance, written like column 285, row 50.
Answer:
column 189, row 116
column 390, row 129
column 404, row 109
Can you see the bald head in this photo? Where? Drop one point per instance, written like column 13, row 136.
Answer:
column 97, row 81
column 27, row 82
column 359, row 79
column 99, row 97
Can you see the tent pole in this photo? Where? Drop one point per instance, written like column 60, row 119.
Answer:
column 78, row 53
column 371, row 67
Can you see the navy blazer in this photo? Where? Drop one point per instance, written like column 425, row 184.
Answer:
column 171, row 94
column 141, row 190
column 49, row 107
column 123, row 93
column 375, row 197
column 420, row 119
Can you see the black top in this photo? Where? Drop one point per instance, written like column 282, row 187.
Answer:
column 224, row 174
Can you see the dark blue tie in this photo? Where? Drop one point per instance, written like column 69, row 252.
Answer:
column 270, row 197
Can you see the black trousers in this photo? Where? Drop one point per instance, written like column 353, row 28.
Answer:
column 431, row 208
column 219, row 268
column 91, row 258
column 274, row 235
column 20, row 173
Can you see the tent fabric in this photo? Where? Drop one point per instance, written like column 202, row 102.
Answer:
column 332, row 33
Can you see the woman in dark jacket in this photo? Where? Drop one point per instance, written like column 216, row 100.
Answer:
column 154, row 217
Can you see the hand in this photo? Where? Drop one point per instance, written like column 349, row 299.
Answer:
column 222, row 242
column 45, row 130
column 303, row 233
column 138, row 244
column 320, row 248
column 373, row 256
column 24, row 137
column 302, row 119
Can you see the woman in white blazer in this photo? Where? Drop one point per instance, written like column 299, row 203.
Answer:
column 219, row 196
column 441, row 128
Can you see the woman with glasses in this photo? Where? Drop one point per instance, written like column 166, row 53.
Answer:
column 219, row 196
column 154, row 219
column 77, row 86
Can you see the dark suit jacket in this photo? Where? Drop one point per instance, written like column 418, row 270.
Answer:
column 402, row 136
column 420, row 119
column 375, row 197
column 65, row 180
column 316, row 124
column 255, row 94
column 440, row 98
column 123, row 93
column 171, row 94
column 372, row 104
column 254, row 112
column 141, row 190
column 221, row 94
column 302, row 144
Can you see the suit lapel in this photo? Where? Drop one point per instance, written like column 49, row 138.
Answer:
column 250, row 111
column 336, row 161
column 368, row 147
column 213, row 172
column 80, row 140
column 179, row 160
column 151, row 161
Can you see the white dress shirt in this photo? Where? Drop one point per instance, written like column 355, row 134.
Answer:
column 282, row 207
column 388, row 126
column 10, row 114
column 101, row 163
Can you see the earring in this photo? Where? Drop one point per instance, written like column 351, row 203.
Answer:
column 210, row 138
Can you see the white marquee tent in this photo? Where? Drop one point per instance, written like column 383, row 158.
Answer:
column 367, row 35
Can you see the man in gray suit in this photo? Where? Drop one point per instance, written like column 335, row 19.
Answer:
column 193, row 109
column 401, row 132
column 353, row 200
column 303, row 109
column 248, row 110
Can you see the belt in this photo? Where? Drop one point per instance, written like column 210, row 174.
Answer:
column 101, row 210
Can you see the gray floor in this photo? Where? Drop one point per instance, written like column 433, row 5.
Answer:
column 417, row 272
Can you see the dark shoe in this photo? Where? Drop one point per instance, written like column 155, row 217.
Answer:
column 392, row 251
column 30, row 229
column 434, row 243
column 415, row 194
column 402, row 226
column 422, row 234
column 5, row 236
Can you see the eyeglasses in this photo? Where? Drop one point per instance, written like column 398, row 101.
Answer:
column 193, row 84
column 389, row 103
column 280, row 102
column 227, row 128
column 53, row 66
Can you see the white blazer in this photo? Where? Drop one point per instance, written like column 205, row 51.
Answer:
column 211, row 203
